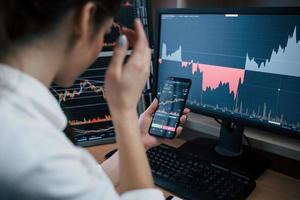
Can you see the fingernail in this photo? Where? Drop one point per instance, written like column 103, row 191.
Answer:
column 138, row 20
column 122, row 41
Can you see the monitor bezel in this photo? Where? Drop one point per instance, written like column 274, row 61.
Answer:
column 253, row 11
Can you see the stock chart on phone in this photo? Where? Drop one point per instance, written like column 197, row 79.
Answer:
column 247, row 66
column 171, row 103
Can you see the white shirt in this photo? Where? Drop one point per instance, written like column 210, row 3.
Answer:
column 37, row 161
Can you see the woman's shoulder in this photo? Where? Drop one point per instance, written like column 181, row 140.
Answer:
column 27, row 142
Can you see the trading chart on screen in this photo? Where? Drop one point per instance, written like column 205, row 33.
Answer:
column 170, row 106
column 85, row 105
column 242, row 65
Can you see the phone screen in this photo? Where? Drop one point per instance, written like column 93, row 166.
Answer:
column 171, row 104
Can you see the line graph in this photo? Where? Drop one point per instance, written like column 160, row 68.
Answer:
column 287, row 56
column 85, row 104
column 83, row 87
column 175, row 56
column 95, row 120
column 247, row 67
column 80, row 132
column 221, row 75
column 163, row 111
column 176, row 100
column 220, row 80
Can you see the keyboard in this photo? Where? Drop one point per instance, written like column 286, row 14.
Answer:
column 189, row 177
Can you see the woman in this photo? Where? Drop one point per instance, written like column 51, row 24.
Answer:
column 53, row 41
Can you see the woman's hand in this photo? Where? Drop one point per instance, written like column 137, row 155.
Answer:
column 145, row 121
column 123, row 86
column 124, row 82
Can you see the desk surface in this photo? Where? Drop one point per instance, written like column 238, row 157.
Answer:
column 271, row 185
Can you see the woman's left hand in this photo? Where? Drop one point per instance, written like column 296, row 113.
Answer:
column 145, row 122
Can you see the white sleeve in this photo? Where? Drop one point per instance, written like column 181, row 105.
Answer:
column 68, row 177
column 144, row 194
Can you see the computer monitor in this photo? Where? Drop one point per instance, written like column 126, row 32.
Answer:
column 84, row 104
column 244, row 65
column 86, row 109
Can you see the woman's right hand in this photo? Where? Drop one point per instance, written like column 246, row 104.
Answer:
column 124, row 83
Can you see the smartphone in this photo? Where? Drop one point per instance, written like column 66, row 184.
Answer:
column 171, row 103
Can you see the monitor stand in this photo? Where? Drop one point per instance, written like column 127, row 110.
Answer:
column 231, row 139
column 229, row 152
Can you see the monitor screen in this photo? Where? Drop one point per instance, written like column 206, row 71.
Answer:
column 243, row 67
column 85, row 105
column 84, row 102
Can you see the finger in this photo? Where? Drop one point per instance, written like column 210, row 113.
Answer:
column 130, row 34
column 152, row 108
column 179, row 131
column 183, row 119
column 186, row 111
column 141, row 44
column 141, row 54
column 119, row 55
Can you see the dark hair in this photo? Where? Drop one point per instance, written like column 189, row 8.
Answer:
column 23, row 20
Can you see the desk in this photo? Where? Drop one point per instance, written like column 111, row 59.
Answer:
column 271, row 185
